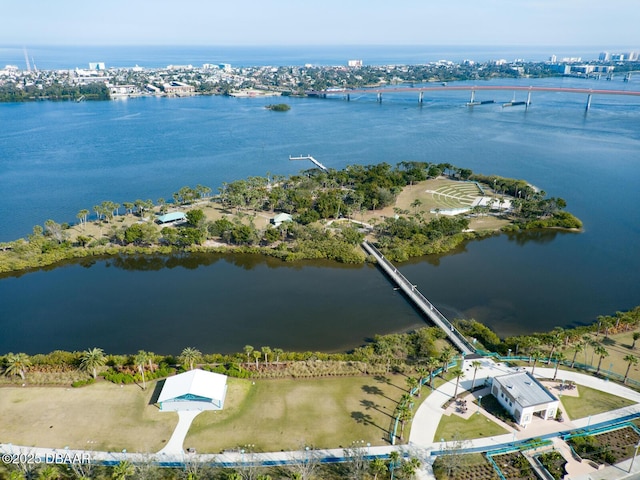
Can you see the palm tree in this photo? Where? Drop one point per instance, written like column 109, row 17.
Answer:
column 394, row 462
column 631, row 360
column 531, row 343
column 82, row 216
column 607, row 322
column 423, row 372
column 257, row 355
column 578, row 347
column 445, row 357
column 190, row 355
column 554, row 342
column 535, row 355
column 475, row 364
column 412, row 383
column 377, row 467
column 49, row 472
column 601, row 352
column 457, row 373
column 405, row 414
column 17, row 364
column 140, row 360
column 91, row 360
column 266, row 351
column 560, row 357
column 586, row 342
column 410, row 468
column 431, row 363
column 123, row 470
column 636, row 336
column 150, row 358
column 277, row 352
column 247, row 350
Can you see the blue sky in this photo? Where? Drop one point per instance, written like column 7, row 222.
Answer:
column 325, row 22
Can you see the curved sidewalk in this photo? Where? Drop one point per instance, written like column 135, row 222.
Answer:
column 421, row 440
column 427, row 417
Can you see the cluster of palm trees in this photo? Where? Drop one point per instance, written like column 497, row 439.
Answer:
column 532, row 345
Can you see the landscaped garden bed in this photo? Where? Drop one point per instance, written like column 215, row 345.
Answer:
column 514, row 466
column 555, row 463
column 473, row 466
column 608, row 447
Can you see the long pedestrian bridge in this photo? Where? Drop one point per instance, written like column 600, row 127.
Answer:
column 420, row 301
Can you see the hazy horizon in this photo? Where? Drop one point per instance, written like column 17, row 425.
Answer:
column 288, row 22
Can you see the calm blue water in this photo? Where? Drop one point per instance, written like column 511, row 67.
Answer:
column 58, row 158
column 54, row 57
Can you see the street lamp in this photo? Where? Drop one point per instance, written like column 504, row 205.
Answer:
column 509, row 353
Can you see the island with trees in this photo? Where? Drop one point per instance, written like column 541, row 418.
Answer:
column 279, row 107
column 409, row 210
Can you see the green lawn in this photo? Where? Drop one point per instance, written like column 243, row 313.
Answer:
column 289, row 414
column 591, row 402
column 102, row 416
column 454, row 427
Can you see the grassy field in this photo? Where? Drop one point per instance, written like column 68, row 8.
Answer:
column 287, row 414
column 271, row 414
column 454, row 427
column 618, row 346
column 591, row 402
column 102, row 416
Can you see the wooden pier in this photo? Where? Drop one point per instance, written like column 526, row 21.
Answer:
column 313, row 160
column 419, row 300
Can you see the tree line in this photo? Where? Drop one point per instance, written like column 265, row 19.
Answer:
column 56, row 91
column 399, row 351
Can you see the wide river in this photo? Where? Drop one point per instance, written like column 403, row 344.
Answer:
column 57, row 158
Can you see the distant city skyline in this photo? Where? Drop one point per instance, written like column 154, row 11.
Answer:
column 330, row 22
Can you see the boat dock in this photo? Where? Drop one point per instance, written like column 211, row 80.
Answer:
column 313, row 160
column 420, row 301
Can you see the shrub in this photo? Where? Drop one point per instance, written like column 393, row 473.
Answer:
column 82, row 383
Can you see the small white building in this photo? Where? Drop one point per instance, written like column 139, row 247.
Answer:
column 523, row 396
column 193, row 390
column 280, row 218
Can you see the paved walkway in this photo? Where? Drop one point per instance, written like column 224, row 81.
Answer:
column 421, row 441
column 427, row 418
column 175, row 444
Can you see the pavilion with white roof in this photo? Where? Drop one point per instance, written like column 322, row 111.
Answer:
column 193, row 390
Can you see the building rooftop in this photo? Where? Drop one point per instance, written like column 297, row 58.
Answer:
column 525, row 389
column 194, row 382
column 171, row 217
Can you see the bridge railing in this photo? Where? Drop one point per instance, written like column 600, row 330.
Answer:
column 422, row 301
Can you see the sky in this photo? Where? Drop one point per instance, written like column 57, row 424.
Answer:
column 326, row 22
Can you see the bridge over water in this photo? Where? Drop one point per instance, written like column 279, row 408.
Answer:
column 419, row 300
column 473, row 89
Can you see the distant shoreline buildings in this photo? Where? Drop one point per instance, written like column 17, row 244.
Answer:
column 221, row 78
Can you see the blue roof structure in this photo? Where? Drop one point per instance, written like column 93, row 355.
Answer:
column 171, row 217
